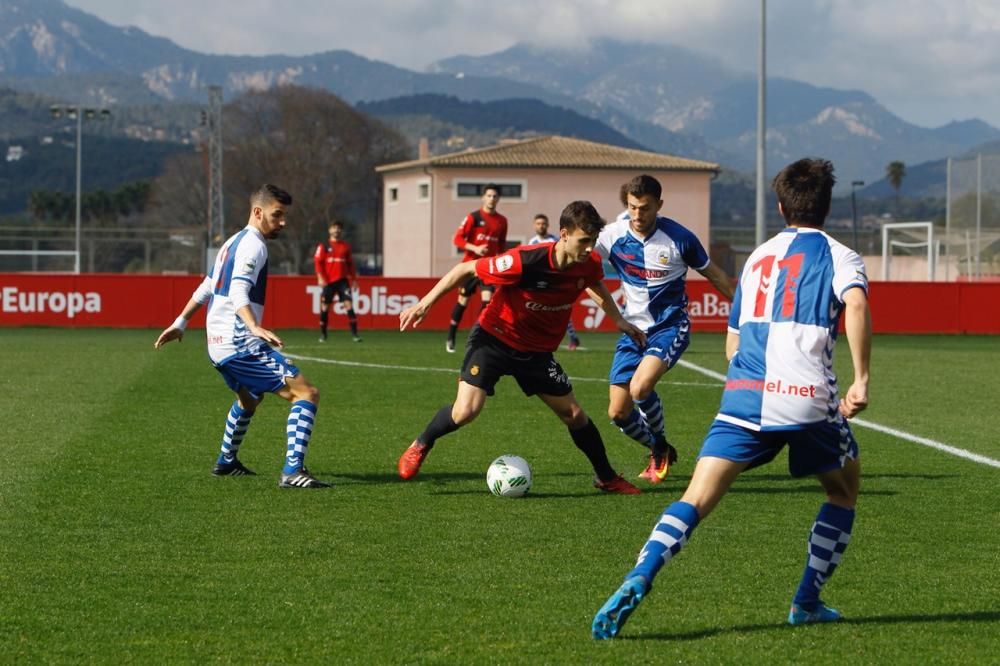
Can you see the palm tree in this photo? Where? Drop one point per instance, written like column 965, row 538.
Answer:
column 895, row 172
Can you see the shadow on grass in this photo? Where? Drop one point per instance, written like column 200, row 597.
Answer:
column 750, row 476
column 424, row 477
column 978, row 616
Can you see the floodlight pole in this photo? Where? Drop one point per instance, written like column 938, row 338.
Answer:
column 761, row 222
column 79, row 164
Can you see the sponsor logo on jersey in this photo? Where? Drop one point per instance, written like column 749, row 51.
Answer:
column 534, row 306
column 71, row 303
column 249, row 266
column 645, row 273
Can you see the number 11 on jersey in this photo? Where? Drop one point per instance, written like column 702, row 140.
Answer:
column 792, row 265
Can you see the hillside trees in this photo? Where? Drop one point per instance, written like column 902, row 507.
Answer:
column 309, row 142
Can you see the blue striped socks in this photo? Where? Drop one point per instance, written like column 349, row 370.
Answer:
column 300, row 425
column 635, row 427
column 237, row 423
column 666, row 540
column 827, row 542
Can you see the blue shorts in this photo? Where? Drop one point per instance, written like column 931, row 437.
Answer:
column 261, row 371
column 666, row 344
column 819, row 447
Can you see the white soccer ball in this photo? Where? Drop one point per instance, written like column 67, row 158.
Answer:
column 509, row 476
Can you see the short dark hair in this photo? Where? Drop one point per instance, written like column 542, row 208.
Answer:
column 491, row 186
column 540, row 216
column 268, row 193
column 804, row 190
column 639, row 187
column 335, row 223
column 581, row 215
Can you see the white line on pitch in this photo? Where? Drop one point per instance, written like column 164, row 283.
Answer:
column 453, row 371
column 940, row 446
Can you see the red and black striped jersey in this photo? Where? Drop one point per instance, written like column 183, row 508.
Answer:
column 534, row 300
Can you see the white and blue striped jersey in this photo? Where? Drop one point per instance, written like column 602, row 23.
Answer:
column 653, row 270
column 547, row 238
column 242, row 257
column 786, row 311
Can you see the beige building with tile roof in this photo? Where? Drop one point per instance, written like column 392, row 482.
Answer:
column 425, row 200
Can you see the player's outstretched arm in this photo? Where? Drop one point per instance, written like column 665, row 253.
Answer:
column 858, row 326
column 413, row 315
column 176, row 330
column 719, row 279
column 599, row 292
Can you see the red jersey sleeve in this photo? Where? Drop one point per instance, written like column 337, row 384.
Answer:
column 500, row 269
column 318, row 259
column 462, row 235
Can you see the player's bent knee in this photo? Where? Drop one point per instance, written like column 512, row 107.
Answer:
column 616, row 413
column 462, row 416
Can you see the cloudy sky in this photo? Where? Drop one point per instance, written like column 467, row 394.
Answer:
column 928, row 61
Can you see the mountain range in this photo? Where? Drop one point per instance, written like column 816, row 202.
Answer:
column 660, row 97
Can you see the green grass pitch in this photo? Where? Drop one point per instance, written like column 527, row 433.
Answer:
column 118, row 546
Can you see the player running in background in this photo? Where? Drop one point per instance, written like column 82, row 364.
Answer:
column 518, row 331
column 241, row 349
column 336, row 274
column 780, row 390
column 542, row 235
column 483, row 233
column 652, row 255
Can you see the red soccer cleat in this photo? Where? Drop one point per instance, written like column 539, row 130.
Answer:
column 412, row 459
column 617, row 485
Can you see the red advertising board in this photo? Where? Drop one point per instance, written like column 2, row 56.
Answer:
column 152, row 301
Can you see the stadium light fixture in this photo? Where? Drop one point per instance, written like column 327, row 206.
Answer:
column 78, row 113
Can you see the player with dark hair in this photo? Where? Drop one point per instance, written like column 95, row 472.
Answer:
column 241, row 349
column 335, row 272
column 780, row 390
column 536, row 287
column 652, row 255
column 542, row 235
column 483, row 233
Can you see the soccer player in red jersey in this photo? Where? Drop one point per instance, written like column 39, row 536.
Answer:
column 536, row 287
column 336, row 274
column 483, row 233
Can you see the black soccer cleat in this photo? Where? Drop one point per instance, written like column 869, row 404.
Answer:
column 235, row 468
column 301, row 479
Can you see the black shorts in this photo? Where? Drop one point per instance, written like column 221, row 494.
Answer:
column 487, row 359
column 469, row 287
column 341, row 288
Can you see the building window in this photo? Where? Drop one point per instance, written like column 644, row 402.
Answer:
column 423, row 191
column 392, row 193
column 473, row 189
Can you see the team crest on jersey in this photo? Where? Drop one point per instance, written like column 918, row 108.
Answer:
column 663, row 257
column 474, row 370
column 504, row 262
